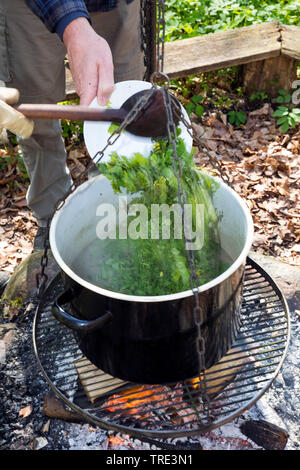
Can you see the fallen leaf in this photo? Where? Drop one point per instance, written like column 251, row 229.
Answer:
column 25, row 412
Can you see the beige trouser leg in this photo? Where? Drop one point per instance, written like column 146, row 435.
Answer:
column 32, row 60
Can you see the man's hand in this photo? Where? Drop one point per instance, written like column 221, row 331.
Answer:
column 90, row 61
column 11, row 119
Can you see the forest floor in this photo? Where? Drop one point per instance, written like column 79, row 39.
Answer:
column 262, row 163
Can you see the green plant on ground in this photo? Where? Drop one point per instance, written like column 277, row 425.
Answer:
column 14, row 160
column 288, row 115
column 221, row 100
column 194, row 105
column 72, row 131
column 189, row 18
column 236, row 118
column 258, row 96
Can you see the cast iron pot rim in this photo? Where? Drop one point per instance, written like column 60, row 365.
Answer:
column 155, row 298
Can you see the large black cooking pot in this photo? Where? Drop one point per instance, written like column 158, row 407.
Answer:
column 146, row 339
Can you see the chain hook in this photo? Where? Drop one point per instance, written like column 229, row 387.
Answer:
column 159, row 77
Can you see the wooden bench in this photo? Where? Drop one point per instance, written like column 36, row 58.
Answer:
column 267, row 52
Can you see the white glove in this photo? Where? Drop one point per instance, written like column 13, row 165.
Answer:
column 10, row 118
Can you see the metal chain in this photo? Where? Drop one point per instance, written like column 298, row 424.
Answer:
column 213, row 160
column 131, row 116
column 194, row 281
column 147, row 47
column 148, row 35
column 172, row 134
column 160, row 36
column 153, row 26
column 144, row 44
column 42, row 277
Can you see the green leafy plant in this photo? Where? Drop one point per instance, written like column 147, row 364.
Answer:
column 14, row 160
column 13, row 303
column 221, row 101
column 189, row 18
column 20, row 165
column 72, row 131
column 148, row 266
column 283, row 97
column 113, row 127
column 236, row 118
column 258, row 96
column 194, row 105
column 288, row 116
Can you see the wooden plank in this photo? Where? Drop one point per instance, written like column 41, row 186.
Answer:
column 224, row 371
column 269, row 75
column 225, row 49
column 290, row 45
column 95, row 382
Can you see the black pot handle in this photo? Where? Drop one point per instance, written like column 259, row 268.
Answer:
column 75, row 323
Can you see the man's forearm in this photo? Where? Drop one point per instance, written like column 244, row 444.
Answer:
column 75, row 30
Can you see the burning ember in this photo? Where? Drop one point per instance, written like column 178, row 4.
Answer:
column 150, row 402
column 136, row 399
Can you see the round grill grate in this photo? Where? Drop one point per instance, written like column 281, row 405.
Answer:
column 174, row 410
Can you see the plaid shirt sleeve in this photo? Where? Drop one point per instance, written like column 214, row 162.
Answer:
column 51, row 12
column 57, row 14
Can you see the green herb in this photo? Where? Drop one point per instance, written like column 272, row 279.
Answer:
column 72, row 131
column 258, row 96
column 194, row 105
column 237, row 117
column 113, row 127
column 157, row 266
column 287, row 114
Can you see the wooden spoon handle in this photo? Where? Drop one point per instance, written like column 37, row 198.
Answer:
column 75, row 113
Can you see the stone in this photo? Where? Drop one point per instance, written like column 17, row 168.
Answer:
column 7, row 334
column 22, row 284
column 4, row 278
column 288, row 377
column 7, row 331
column 285, row 275
column 2, row 352
column 45, row 428
column 39, row 443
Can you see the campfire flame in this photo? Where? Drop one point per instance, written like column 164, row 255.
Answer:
column 146, row 402
column 135, row 400
column 193, row 383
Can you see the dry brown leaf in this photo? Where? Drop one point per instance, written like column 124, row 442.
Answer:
column 25, row 412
